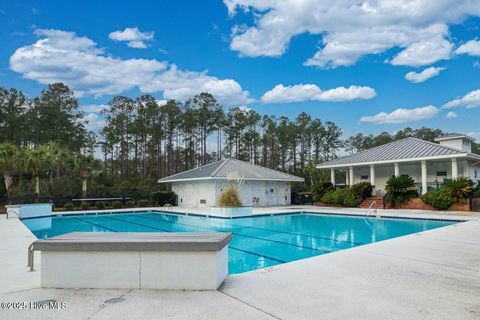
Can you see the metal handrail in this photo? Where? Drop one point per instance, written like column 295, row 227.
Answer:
column 167, row 207
column 373, row 208
column 11, row 211
column 30, row 257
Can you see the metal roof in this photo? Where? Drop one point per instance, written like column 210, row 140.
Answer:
column 454, row 135
column 408, row 148
column 226, row 168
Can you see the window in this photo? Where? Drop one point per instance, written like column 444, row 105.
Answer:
column 441, row 173
column 203, row 201
column 364, row 177
column 475, row 173
column 272, row 190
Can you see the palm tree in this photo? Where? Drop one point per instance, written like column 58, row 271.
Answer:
column 56, row 158
column 85, row 164
column 36, row 160
column 8, row 161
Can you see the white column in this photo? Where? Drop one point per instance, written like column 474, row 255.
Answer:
column 372, row 177
column 332, row 176
column 454, row 168
column 352, row 180
column 347, row 178
column 424, row 176
column 397, row 169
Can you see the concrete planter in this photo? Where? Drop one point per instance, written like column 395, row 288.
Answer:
column 231, row 212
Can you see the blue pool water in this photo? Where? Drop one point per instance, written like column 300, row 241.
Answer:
column 258, row 242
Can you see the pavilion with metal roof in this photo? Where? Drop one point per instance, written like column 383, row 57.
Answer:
column 256, row 185
column 224, row 169
column 427, row 162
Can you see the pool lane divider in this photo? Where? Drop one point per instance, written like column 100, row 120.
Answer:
column 95, row 224
column 240, row 234
column 286, row 232
column 155, row 228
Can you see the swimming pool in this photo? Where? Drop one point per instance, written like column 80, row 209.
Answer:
column 258, row 242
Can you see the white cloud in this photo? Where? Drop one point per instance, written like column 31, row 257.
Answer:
column 162, row 102
column 418, row 77
column 244, row 109
column 134, row 37
column 351, row 29
column 424, row 53
column 61, row 56
column 451, row 115
column 402, row 115
column 471, row 48
column 304, row 92
column 95, row 108
column 94, row 122
column 470, row 100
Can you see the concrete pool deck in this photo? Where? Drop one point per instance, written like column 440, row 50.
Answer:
column 428, row 275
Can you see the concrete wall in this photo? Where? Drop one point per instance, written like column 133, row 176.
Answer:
column 134, row 270
column 252, row 193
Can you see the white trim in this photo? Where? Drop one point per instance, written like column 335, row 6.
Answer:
column 224, row 178
column 460, row 136
column 361, row 164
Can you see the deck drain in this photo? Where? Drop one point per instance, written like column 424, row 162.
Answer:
column 114, row 300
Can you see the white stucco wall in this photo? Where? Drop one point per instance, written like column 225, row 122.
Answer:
column 252, row 193
column 190, row 193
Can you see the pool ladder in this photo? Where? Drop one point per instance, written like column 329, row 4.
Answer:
column 166, row 207
column 372, row 209
column 12, row 211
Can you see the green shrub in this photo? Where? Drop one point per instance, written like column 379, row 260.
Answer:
column 100, row 205
column 349, row 199
column 144, row 203
column 362, row 189
column 322, row 187
column 329, row 197
column 230, row 198
column 162, row 197
column 69, row 206
column 438, row 199
column 344, row 197
column 116, row 205
column 340, row 195
column 130, row 204
column 476, row 191
column 459, row 189
column 85, row 206
column 401, row 189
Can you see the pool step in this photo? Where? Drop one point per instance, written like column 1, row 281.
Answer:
column 368, row 202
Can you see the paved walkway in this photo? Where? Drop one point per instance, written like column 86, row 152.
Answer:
column 428, row 275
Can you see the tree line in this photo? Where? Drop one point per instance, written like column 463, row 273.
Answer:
column 145, row 137
column 148, row 139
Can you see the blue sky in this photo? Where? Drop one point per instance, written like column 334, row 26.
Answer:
column 344, row 61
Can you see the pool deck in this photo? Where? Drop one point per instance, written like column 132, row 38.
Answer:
column 428, row 275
